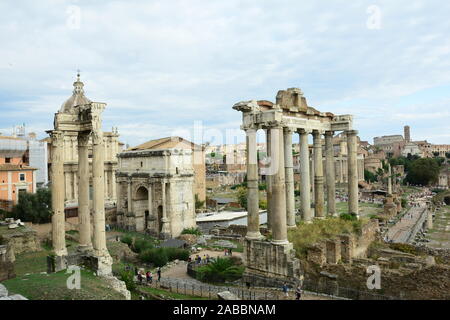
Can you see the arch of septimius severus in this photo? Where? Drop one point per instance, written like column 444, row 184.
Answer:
column 290, row 114
column 81, row 118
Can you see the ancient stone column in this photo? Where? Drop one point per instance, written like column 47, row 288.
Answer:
column 252, row 186
column 130, row 202
column 289, row 176
column 311, row 174
column 331, row 186
column 389, row 179
column 352, row 167
column 318, row 176
column 98, row 194
column 165, row 228
column 57, row 188
column 279, row 226
column 150, row 203
column 84, row 215
column 429, row 219
column 113, row 186
column 305, row 186
column 268, row 182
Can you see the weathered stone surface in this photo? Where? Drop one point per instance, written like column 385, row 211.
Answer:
column 189, row 238
column 118, row 286
column 3, row 291
column 226, row 295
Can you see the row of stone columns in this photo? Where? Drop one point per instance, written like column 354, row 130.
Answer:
column 98, row 243
column 280, row 179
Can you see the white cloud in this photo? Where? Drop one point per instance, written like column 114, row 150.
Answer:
column 161, row 65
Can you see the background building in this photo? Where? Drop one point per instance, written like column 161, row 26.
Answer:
column 155, row 188
column 16, row 176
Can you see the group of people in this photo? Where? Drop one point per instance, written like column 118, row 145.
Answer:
column 199, row 260
column 148, row 276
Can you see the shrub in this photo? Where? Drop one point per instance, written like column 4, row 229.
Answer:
column 221, row 270
column 195, row 231
column 242, row 196
column 141, row 245
column 127, row 239
column 127, row 276
column 176, row 253
column 297, row 193
column 348, row 217
column 156, row 256
column 262, row 186
column 199, row 203
column 263, row 204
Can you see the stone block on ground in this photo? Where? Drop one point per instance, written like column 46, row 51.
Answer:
column 226, row 295
column 3, row 291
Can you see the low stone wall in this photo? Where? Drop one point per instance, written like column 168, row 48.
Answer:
column 344, row 247
column 6, row 263
column 22, row 239
column 270, row 265
column 441, row 255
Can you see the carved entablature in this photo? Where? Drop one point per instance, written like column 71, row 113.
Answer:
column 290, row 110
column 247, row 106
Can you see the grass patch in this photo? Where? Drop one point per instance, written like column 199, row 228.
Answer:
column 306, row 235
column 31, row 262
column 54, row 287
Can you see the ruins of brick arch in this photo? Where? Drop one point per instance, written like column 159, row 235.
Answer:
column 275, row 260
column 80, row 117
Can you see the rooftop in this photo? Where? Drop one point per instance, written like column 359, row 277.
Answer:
column 165, row 143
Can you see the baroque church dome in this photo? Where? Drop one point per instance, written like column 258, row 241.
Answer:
column 77, row 99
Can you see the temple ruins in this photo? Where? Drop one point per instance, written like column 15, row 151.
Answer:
column 274, row 261
column 81, row 118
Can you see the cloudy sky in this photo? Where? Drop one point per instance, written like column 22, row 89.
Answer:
column 163, row 66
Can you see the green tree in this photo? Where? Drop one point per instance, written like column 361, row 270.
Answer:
column 34, row 207
column 423, row 171
column 221, row 270
column 369, row 176
column 242, row 196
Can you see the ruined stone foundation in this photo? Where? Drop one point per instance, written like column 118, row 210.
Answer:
column 268, row 264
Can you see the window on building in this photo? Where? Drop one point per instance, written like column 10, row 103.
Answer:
column 22, row 176
column 7, row 160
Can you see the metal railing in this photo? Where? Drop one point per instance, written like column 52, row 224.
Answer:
column 332, row 291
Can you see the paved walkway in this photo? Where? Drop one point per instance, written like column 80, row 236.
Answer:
column 401, row 231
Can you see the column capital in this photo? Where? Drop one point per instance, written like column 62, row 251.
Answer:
column 304, row 131
column 329, row 133
column 57, row 138
column 351, row 132
column 97, row 137
column 317, row 132
column 250, row 130
column 288, row 130
column 83, row 139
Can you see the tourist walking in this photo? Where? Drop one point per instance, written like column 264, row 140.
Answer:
column 298, row 293
column 285, row 289
column 140, row 277
column 149, row 277
column 159, row 274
